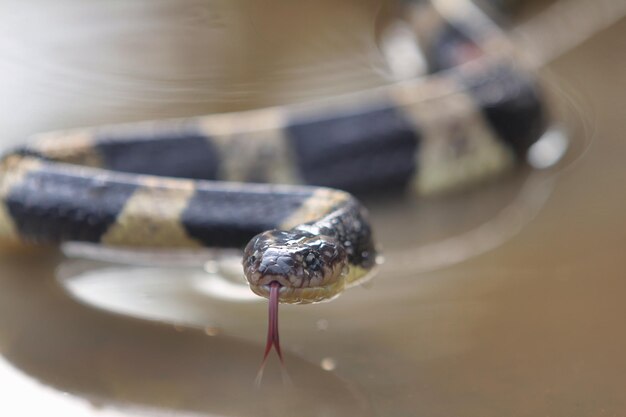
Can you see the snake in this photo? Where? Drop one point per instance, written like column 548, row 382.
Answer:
column 279, row 182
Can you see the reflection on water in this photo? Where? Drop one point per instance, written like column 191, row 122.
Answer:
column 118, row 360
column 168, row 294
column 548, row 150
column 24, row 388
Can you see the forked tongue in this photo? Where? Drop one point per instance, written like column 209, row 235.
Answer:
column 272, row 330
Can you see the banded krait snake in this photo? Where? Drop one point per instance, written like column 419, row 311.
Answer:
column 189, row 183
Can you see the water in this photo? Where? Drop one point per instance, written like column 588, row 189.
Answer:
column 502, row 301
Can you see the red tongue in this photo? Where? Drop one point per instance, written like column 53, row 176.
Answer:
column 272, row 328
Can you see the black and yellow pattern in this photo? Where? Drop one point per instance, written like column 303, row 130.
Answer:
column 188, row 183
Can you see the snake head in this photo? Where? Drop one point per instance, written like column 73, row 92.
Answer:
column 308, row 268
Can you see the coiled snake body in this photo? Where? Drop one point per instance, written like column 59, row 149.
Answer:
column 209, row 181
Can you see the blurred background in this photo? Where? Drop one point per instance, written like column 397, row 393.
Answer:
column 501, row 300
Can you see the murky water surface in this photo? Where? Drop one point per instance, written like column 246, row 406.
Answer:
column 506, row 300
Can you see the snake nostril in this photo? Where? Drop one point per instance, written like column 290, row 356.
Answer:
column 285, row 262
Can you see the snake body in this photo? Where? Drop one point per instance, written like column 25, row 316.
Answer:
column 212, row 181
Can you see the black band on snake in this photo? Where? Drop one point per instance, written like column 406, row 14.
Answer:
column 211, row 181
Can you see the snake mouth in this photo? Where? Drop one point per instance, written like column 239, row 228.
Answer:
column 289, row 294
column 282, row 280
